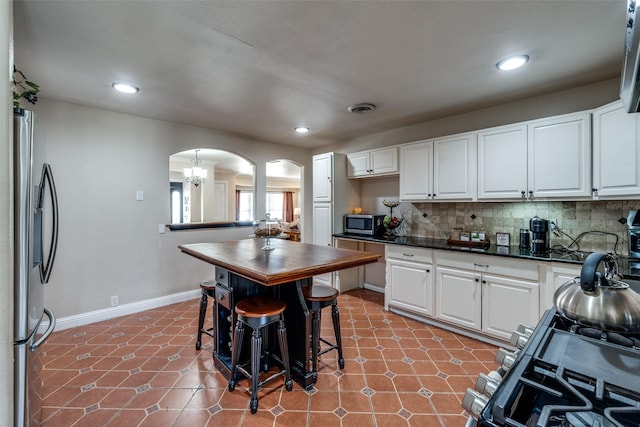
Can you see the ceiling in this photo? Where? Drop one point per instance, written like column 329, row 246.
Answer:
column 259, row 68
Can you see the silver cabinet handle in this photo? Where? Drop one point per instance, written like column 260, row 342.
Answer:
column 481, row 265
column 407, row 254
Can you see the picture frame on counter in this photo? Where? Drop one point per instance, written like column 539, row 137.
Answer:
column 503, row 239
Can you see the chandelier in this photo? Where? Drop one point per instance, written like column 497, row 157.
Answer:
column 195, row 175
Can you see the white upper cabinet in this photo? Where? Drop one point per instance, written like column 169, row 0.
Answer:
column 382, row 161
column 439, row 169
column 416, row 171
column 502, row 162
column 559, row 157
column 454, row 167
column 541, row 159
column 616, row 152
column 322, row 177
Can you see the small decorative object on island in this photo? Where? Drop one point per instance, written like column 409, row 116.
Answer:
column 391, row 222
column 266, row 229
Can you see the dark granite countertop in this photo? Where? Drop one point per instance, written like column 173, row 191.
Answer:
column 628, row 267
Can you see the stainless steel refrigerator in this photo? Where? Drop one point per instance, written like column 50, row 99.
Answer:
column 36, row 240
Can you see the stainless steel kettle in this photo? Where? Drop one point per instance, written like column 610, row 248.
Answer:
column 599, row 300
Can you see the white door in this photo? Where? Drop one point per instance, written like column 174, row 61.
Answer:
column 322, row 177
column 384, row 160
column 559, row 156
column 416, row 171
column 322, row 231
column 502, row 162
column 220, row 197
column 616, row 152
column 411, row 286
column 454, row 167
column 458, row 297
column 358, row 164
column 508, row 302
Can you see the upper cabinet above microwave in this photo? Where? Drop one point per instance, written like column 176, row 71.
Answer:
column 378, row 162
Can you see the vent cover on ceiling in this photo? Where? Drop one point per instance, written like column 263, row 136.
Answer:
column 362, row 108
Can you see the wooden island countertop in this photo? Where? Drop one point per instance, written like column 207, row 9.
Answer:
column 288, row 262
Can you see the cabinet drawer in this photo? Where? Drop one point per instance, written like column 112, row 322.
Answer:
column 409, row 253
column 222, row 276
column 522, row 269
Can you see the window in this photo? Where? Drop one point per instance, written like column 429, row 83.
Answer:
column 245, row 209
column 175, row 188
column 275, row 202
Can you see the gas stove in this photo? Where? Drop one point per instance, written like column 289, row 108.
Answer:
column 561, row 375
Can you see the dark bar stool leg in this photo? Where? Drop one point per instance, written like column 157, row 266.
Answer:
column 335, row 316
column 256, row 352
column 284, row 354
column 315, row 340
column 201, row 317
column 238, row 335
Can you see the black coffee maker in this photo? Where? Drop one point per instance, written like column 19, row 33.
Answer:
column 539, row 235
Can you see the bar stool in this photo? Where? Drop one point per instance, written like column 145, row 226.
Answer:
column 208, row 290
column 318, row 297
column 257, row 312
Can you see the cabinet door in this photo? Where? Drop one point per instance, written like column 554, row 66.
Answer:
column 322, row 177
column 616, row 152
column 358, row 164
column 502, row 162
column 322, row 231
column 559, row 157
column 322, row 224
column 384, row 161
column 410, row 286
column 454, row 167
column 416, row 171
column 508, row 302
column 458, row 297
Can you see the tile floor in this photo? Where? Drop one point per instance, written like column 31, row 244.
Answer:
column 143, row 370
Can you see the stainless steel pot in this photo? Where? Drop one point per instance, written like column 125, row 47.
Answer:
column 599, row 300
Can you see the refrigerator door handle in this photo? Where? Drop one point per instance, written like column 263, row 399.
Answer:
column 52, row 326
column 47, row 178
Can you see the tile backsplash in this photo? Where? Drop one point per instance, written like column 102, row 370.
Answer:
column 595, row 225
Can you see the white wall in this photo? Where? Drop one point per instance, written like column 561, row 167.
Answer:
column 545, row 105
column 6, row 217
column 109, row 242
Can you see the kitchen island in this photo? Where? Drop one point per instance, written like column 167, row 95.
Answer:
column 243, row 269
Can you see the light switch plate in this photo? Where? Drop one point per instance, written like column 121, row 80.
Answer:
column 139, row 195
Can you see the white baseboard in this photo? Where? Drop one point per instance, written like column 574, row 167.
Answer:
column 373, row 287
column 120, row 310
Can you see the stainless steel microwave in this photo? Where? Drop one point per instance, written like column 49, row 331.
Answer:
column 368, row 225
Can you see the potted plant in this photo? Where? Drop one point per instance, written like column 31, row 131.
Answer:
column 23, row 89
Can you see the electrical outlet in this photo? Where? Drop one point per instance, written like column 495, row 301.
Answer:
column 114, row 300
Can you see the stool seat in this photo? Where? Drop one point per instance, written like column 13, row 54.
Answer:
column 208, row 286
column 260, row 307
column 319, row 293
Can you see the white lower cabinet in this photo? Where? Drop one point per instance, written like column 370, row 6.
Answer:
column 506, row 302
column 409, row 279
column 558, row 274
column 491, row 295
column 458, row 298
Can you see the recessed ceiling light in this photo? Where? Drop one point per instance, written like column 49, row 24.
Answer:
column 302, row 129
column 124, row 87
column 512, row 62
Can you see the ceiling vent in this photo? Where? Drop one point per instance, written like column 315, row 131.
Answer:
column 362, row 108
